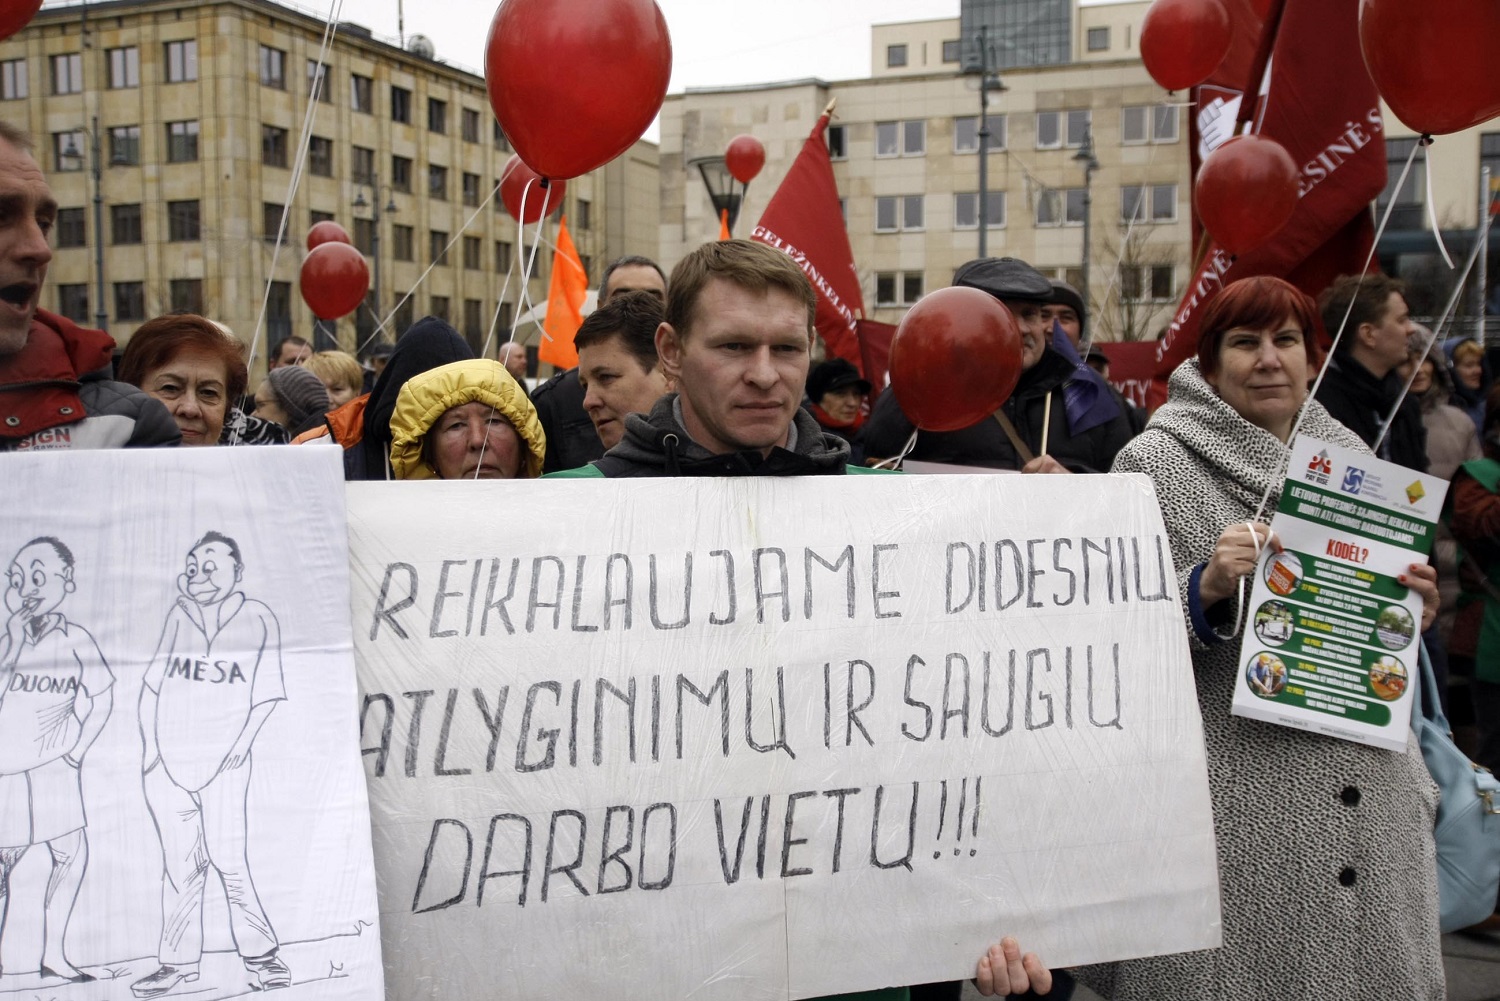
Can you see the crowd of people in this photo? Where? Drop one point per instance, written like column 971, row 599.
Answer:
column 711, row 373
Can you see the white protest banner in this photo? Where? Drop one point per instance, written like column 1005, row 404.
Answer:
column 754, row 738
column 1331, row 644
column 182, row 811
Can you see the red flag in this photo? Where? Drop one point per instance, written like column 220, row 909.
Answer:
column 875, row 352
column 803, row 219
column 565, row 295
column 1322, row 106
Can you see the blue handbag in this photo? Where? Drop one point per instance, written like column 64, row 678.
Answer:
column 1468, row 814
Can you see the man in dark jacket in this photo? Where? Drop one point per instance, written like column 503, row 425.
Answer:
column 737, row 341
column 571, row 439
column 55, row 385
column 1360, row 387
column 1061, row 438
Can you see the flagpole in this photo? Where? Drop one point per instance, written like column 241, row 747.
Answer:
column 1481, row 286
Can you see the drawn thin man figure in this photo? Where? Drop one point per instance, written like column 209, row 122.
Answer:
column 214, row 680
column 56, row 692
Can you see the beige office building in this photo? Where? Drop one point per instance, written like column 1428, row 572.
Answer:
column 189, row 113
column 906, row 158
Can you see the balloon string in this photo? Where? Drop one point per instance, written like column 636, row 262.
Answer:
column 529, row 269
column 1312, row 393
column 330, row 29
column 1437, row 231
column 896, row 461
column 1482, row 235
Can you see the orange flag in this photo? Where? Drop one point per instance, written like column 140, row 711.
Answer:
column 565, row 294
column 723, row 224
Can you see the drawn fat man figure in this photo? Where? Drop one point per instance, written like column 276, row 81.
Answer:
column 215, row 678
column 56, row 692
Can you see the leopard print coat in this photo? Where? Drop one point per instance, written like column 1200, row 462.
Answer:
column 1326, row 861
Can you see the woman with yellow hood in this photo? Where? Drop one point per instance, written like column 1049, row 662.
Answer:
column 465, row 420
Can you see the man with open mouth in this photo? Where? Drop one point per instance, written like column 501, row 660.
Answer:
column 55, row 385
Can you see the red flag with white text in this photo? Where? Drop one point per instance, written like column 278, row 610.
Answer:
column 804, row 219
column 1322, row 106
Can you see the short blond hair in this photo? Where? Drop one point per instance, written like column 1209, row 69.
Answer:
column 337, row 368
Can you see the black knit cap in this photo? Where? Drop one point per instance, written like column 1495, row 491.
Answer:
column 1005, row 278
column 1064, row 294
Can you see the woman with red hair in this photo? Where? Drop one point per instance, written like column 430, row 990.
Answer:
column 192, row 366
column 1321, row 841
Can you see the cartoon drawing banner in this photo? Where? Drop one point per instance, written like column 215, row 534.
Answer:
column 751, row 738
column 181, row 807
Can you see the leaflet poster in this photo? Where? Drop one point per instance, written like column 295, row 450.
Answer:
column 1331, row 637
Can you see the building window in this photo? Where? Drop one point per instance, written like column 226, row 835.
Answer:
column 401, row 173
column 314, row 217
column 501, row 142
column 473, row 252
column 440, row 307
column 124, row 145
column 270, row 220
column 1146, row 282
column 320, row 156
column 130, row 301
column 474, row 323
column 966, row 133
column 402, row 242
column 504, row 318
column 400, row 105
column 1053, row 127
column 124, row 67
column 73, row 302
column 437, row 182
column 124, row 224
column 273, row 143
column 279, row 311
column 471, row 189
column 437, row 116
column 182, row 142
column 898, row 212
column 583, row 214
column 183, row 221
column 1078, row 127
column 437, row 247
column 900, row 138
column 186, row 295
column 898, row 288
column 1148, row 203
column 67, row 73
column 952, row 50
column 13, row 83
column 1098, row 39
column 1148, row 123
column 1060, row 207
column 966, row 209
column 364, row 236
column 69, row 227
column 404, row 315
column 182, row 60
column 838, row 138
column 502, row 256
column 67, row 150
column 470, row 125
column 895, row 55
column 361, row 94
column 317, row 82
column 1409, row 200
column 362, row 165
column 272, row 67
column 1489, row 156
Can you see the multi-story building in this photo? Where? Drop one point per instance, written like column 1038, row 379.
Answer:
column 905, row 145
column 169, row 131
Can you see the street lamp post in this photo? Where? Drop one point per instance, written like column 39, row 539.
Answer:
column 72, row 152
column 720, row 184
column 988, row 81
column 374, row 205
column 1085, row 156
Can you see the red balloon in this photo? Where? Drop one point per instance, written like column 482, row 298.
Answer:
column 1246, row 190
column 334, row 280
column 575, row 82
column 16, row 14
column 327, row 231
column 955, row 358
column 744, row 158
column 1184, row 41
column 540, row 201
column 1431, row 60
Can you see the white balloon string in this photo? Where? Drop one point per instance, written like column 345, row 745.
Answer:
column 1437, row 231
column 1239, row 602
column 1312, row 393
column 896, row 461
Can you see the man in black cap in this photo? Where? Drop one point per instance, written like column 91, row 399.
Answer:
column 1060, row 435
